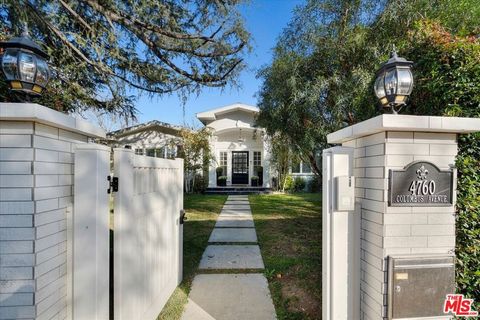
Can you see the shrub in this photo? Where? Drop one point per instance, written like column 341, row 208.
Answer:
column 468, row 218
column 314, row 185
column 200, row 184
column 223, row 178
column 299, row 184
column 258, row 170
column 289, row 185
column 255, row 178
column 219, row 171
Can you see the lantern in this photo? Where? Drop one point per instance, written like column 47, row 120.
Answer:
column 24, row 64
column 394, row 82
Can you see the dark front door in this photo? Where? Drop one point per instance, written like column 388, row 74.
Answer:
column 239, row 167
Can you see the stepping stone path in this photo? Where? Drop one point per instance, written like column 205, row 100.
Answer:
column 233, row 247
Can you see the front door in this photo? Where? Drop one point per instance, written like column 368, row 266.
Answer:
column 239, row 167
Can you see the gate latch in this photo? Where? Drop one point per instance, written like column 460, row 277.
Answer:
column 182, row 216
column 112, row 184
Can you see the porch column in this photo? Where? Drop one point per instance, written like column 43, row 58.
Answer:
column 266, row 162
column 212, row 175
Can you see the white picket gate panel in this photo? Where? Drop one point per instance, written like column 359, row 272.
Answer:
column 147, row 234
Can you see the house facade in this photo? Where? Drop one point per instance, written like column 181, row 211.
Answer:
column 154, row 139
column 240, row 149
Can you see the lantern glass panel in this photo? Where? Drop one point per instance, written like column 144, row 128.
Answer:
column 391, row 82
column 27, row 66
column 379, row 88
column 405, row 80
column 9, row 64
column 42, row 72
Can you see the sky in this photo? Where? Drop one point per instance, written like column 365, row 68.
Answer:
column 265, row 20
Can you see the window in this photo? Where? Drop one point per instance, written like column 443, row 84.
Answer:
column 139, row 152
column 223, row 159
column 159, row 153
column 301, row 167
column 171, row 152
column 257, row 158
column 296, row 167
column 306, row 168
column 223, row 162
column 151, row 152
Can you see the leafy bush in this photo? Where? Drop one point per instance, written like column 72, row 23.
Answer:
column 255, row 178
column 222, row 178
column 294, row 184
column 447, row 70
column 314, row 185
column 468, row 218
column 299, row 184
column 200, row 184
column 219, row 171
column 289, row 184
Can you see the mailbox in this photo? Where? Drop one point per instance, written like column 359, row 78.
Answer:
column 345, row 193
column 418, row 285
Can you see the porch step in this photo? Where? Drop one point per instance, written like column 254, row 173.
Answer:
column 238, row 190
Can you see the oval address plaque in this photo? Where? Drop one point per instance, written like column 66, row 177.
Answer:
column 420, row 184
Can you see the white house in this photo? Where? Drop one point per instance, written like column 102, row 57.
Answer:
column 241, row 150
column 153, row 138
column 239, row 147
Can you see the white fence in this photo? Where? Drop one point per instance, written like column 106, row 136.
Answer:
column 54, row 222
column 147, row 233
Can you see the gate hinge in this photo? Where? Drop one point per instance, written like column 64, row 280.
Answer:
column 112, row 184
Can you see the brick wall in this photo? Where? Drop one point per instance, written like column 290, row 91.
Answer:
column 36, row 182
column 396, row 230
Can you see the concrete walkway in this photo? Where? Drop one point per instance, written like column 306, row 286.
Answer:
column 229, row 293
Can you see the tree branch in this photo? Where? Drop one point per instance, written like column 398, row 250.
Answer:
column 76, row 15
column 121, row 17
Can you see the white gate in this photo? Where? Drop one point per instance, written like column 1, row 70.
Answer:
column 147, row 233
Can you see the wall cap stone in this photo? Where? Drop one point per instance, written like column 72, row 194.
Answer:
column 391, row 122
column 38, row 113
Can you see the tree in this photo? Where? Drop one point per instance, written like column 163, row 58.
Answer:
column 196, row 154
column 101, row 49
column 317, row 75
column 281, row 159
column 323, row 72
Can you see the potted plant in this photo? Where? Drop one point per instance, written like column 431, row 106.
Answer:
column 254, row 181
column 222, row 181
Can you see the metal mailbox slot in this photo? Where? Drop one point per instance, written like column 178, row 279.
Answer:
column 417, row 286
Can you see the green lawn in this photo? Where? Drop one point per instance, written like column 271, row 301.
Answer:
column 201, row 213
column 289, row 232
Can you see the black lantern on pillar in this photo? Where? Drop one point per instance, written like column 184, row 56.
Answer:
column 394, row 82
column 24, row 64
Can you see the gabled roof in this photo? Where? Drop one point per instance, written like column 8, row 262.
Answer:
column 166, row 127
column 211, row 115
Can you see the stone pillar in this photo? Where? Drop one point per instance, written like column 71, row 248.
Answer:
column 391, row 142
column 37, row 148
